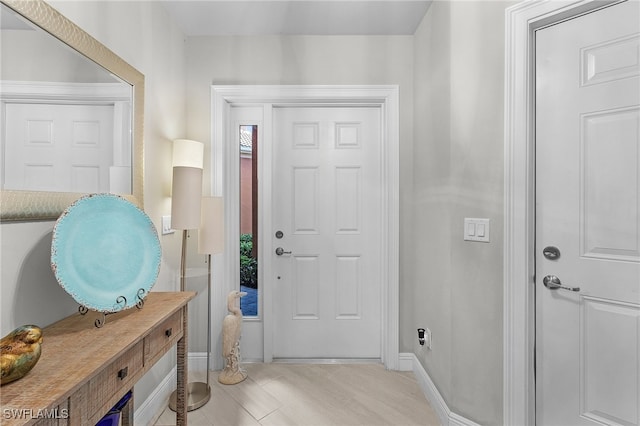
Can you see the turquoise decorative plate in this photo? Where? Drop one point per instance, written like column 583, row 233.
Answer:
column 105, row 252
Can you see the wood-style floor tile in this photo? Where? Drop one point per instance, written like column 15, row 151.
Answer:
column 279, row 394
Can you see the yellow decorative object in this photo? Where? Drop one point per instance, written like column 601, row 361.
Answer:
column 19, row 352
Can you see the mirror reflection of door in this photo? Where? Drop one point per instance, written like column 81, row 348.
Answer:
column 249, row 219
column 66, row 120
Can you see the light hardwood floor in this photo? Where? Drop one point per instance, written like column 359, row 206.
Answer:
column 282, row 394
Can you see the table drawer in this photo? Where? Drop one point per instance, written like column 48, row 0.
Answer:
column 163, row 337
column 116, row 378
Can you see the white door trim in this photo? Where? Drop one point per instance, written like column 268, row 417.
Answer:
column 521, row 21
column 385, row 96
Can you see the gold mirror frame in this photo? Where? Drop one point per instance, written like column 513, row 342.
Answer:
column 37, row 205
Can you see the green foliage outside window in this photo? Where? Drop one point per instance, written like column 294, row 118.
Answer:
column 248, row 265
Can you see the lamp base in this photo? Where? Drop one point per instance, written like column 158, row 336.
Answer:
column 198, row 394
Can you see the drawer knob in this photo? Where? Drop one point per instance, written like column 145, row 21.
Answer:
column 168, row 332
column 123, row 373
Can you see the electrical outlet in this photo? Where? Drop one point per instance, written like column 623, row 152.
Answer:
column 427, row 338
column 166, row 225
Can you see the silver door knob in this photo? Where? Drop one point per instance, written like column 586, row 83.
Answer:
column 280, row 251
column 553, row 283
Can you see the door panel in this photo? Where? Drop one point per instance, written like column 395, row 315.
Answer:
column 59, row 147
column 610, row 160
column 609, row 361
column 327, row 202
column 588, row 206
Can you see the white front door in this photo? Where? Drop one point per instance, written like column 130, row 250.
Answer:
column 327, row 204
column 588, row 219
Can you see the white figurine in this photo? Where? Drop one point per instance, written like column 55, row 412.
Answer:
column 231, row 328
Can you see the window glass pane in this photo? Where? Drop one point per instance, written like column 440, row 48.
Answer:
column 249, row 219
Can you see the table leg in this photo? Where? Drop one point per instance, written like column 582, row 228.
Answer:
column 127, row 412
column 182, row 371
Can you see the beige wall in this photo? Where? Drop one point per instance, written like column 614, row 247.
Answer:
column 51, row 60
column 458, row 173
column 450, row 76
column 430, row 294
column 143, row 35
column 297, row 60
column 309, row 60
column 450, row 79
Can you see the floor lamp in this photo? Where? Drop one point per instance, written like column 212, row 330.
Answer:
column 211, row 241
column 186, row 198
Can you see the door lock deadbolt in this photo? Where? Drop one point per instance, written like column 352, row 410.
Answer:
column 551, row 252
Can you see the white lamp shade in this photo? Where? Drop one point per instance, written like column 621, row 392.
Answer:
column 188, row 153
column 211, row 231
column 186, row 197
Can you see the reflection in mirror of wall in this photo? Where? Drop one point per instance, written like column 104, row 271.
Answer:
column 66, row 120
column 71, row 113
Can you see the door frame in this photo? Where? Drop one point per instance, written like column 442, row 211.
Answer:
column 521, row 22
column 384, row 96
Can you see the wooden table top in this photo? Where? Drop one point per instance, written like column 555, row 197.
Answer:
column 74, row 350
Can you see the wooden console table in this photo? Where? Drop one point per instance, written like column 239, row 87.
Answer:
column 84, row 371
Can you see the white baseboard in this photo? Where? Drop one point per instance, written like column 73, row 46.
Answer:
column 198, row 361
column 154, row 405
column 456, row 420
column 429, row 389
column 405, row 361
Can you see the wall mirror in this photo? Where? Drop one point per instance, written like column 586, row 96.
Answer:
column 72, row 115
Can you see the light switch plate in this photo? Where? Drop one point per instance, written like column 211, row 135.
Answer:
column 166, row 225
column 476, row 229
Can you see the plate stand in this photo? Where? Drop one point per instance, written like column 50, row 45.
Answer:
column 121, row 302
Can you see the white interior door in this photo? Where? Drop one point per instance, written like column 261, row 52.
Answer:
column 58, row 147
column 588, row 207
column 327, row 202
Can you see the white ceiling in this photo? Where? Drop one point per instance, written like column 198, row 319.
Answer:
column 297, row 17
